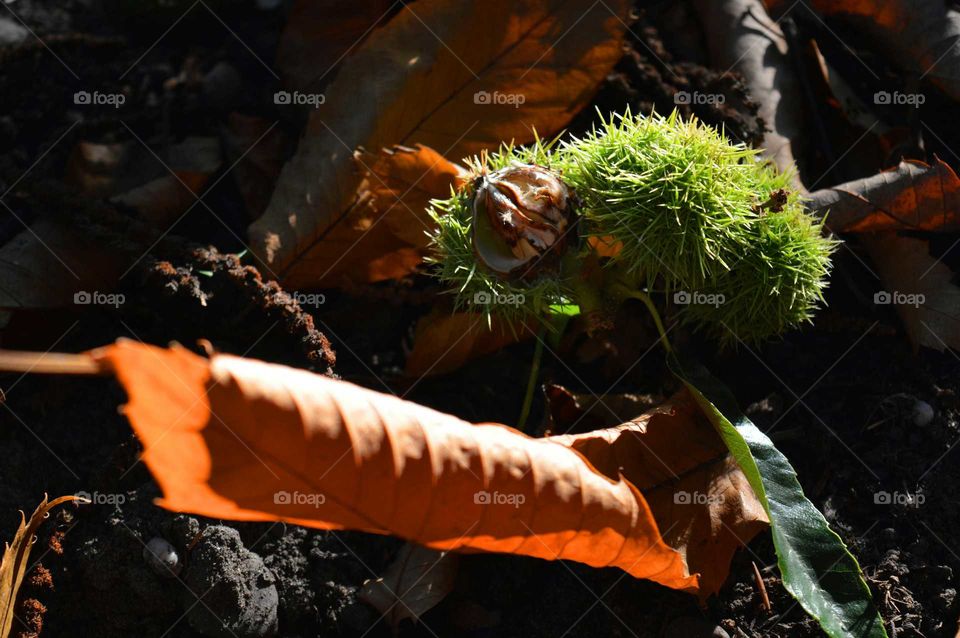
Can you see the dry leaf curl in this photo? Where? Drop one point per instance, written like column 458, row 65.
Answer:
column 245, row 440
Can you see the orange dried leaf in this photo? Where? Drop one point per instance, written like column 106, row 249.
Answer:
column 244, row 440
column 444, row 341
column 16, row 560
column 447, row 74
column 400, row 182
column 699, row 496
column 384, row 234
column 912, row 196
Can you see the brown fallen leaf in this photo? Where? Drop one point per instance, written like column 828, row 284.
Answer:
column 131, row 175
column 416, row 581
column 912, row 196
column 254, row 148
column 919, row 36
column 400, row 182
column 59, row 256
column 45, row 265
column 699, row 496
column 572, row 413
column 444, row 341
column 16, row 560
column 384, row 234
column 742, row 37
column 244, row 440
column 927, row 300
column 320, row 34
column 446, row 74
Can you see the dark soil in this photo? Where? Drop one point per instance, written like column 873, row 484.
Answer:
column 842, row 398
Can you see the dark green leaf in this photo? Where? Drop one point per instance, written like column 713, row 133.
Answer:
column 814, row 563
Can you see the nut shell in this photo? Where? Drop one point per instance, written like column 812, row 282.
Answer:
column 521, row 214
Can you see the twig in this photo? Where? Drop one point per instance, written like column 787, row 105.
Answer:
column 50, row 363
column 760, row 586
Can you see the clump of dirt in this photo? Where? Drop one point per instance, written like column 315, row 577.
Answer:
column 238, row 594
column 649, row 78
column 214, row 288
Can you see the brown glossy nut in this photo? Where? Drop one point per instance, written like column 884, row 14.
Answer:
column 520, row 213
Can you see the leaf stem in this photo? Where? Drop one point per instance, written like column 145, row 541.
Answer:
column 531, row 382
column 630, row 293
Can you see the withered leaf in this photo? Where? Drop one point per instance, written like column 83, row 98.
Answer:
column 384, row 234
column 742, row 37
column 446, row 74
column 919, row 36
column 245, row 440
column 444, row 341
column 912, row 196
column 416, row 581
column 928, row 302
column 16, row 560
column 701, row 499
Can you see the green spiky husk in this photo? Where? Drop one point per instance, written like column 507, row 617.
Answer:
column 692, row 213
column 777, row 285
column 676, row 195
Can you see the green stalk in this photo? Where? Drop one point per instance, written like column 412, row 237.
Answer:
column 531, row 383
column 625, row 292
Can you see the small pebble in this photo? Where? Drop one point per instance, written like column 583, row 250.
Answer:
column 11, row 33
column 162, row 557
column 923, row 413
